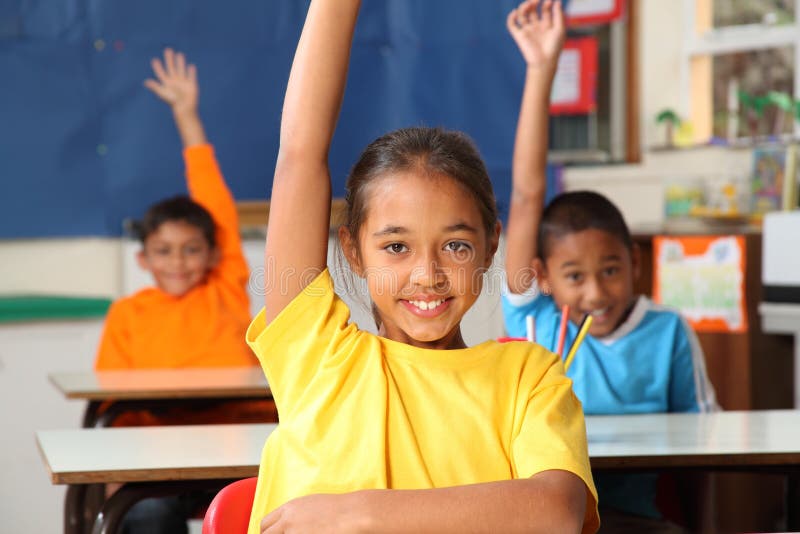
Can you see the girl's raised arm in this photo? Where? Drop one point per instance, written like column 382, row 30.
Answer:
column 297, row 234
column 539, row 36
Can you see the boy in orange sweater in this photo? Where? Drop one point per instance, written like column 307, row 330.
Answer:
column 197, row 314
column 198, row 311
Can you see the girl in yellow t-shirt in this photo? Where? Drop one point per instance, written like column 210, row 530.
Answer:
column 408, row 430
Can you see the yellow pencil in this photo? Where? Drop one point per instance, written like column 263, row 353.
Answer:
column 584, row 328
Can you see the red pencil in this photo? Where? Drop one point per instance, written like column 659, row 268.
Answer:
column 562, row 330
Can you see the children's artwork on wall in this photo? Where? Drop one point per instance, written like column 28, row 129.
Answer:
column 703, row 277
column 767, row 176
column 583, row 12
column 574, row 87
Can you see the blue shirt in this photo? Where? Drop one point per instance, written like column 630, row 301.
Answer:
column 651, row 363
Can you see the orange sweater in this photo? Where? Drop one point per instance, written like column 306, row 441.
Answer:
column 206, row 326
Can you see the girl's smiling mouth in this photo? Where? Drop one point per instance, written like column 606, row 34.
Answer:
column 427, row 308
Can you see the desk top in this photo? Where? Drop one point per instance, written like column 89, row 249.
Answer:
column 151, row 384
column 657, row 441
column 711, row 440
column 136, row 454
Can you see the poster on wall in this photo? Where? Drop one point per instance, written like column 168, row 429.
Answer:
column 702, row 277
column 574, row 86
column 584, row 12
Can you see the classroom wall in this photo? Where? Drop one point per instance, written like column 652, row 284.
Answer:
column 84, row 146
column 28, row 501
column 83, row 270
column 84, row 267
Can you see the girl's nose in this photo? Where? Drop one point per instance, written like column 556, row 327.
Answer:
column 427, row 271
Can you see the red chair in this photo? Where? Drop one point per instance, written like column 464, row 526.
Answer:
column 229, row 511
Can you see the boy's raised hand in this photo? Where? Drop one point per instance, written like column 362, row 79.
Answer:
column 176, row 82
column 539, row 34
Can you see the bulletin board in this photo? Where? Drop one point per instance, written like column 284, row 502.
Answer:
column 84, row 146
column 704, row 278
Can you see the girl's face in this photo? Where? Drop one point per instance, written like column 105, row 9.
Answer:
column 423, row 250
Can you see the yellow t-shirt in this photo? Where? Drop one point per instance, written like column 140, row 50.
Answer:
column 359, row 411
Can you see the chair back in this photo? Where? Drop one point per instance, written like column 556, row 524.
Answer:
column 229, row 511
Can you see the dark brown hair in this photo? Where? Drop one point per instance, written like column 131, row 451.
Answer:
column 434, row 150
column 576, row 211
column 179, row 208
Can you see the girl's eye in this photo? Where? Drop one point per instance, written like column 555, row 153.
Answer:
column 612, row 271
column 574, row 277
column 395, row 248
column 192, row 250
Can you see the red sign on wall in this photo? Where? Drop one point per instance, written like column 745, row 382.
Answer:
column 585, row 12
column 575, row 85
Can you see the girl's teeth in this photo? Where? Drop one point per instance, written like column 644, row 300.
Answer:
column 424, row 305
column 597, row 313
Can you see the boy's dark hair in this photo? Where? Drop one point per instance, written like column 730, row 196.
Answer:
column 576, row 211
column 178, row 208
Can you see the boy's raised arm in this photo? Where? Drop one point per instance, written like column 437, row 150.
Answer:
column 539, row 36
column 298, row 228
column 176, row 84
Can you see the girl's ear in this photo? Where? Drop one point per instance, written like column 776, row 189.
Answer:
column 636, row 261
column 540, row 275
column 350, row 249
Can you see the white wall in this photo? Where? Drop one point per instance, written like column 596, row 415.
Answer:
column 85, row 267
column 28, row 352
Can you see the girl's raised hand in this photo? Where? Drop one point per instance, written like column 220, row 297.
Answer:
column 176, row 82
column 538, row 34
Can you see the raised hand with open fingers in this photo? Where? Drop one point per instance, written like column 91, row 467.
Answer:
column 539, row 30
column 176, row 82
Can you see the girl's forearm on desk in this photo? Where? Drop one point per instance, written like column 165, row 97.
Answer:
column 552, row 501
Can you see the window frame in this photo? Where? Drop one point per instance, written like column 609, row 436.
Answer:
column 702, row 40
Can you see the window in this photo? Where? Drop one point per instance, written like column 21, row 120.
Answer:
column 743, row 68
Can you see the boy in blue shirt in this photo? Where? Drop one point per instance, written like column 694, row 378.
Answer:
column 638, row 356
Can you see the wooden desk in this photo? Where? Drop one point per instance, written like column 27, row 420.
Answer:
column 150, row 461
column 152, row 390
column 158, row 460
column 748, row 440
column 143, row 389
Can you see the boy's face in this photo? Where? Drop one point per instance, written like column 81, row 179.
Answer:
column 423, row 250
column 178, row 256
column 592, row 271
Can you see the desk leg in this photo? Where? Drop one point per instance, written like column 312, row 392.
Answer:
column 793, row 500
column 73, row 509
column 797, row 370
column 110, row 517
column 90, row 415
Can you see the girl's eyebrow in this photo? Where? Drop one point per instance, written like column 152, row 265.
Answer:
column 461, row 227
column 393, row 230
column 390, row 230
